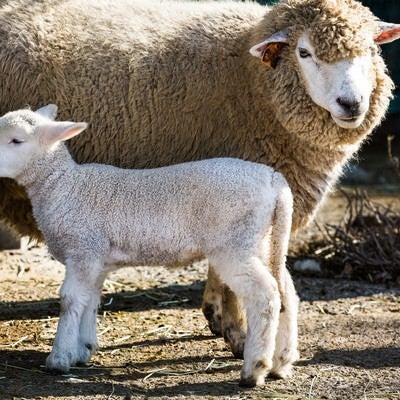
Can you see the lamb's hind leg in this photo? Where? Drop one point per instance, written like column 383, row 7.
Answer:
column 286, row 342
column 258, row 291
column 286, row 352
column 77, row 289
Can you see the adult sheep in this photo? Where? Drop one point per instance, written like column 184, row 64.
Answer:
column 175, row 82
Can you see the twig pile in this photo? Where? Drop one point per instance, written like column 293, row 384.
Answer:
column 366, row 245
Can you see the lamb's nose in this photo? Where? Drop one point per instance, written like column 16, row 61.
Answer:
column 351, row 106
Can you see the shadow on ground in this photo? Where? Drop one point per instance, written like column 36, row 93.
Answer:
column 188, row 296
column 383, row 357
column 19, row 366
column 171, row 296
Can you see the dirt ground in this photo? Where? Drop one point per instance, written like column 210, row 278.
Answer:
column 155, row 343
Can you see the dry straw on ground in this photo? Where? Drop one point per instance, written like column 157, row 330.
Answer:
column 365, row 245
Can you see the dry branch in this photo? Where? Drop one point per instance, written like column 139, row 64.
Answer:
column 365, row 245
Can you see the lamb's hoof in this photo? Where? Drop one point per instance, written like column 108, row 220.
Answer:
column 58, row 363
column 254, row 376
column 282, row 366
column 85, row 352
column 236, row 340
column 248, row 382
column 251, row 381
column 284, row 372
column 214, row 319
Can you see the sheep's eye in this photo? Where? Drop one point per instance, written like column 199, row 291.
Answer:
column 304, row 53
column 16, row 141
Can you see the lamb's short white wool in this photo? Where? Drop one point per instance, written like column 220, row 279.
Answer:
column 95, row 217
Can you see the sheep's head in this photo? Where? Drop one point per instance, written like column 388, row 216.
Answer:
column 26, row 136
column 333, row 46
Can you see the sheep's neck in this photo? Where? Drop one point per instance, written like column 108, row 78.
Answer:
column 310, row 172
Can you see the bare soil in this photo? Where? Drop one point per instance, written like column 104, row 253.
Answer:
column 155, row 343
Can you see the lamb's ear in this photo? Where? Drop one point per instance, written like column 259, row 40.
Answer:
column 49, row 111
column 388, row 33
column 268, row 51
column 53, row 132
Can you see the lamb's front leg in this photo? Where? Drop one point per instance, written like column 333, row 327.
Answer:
column 88, row 326
column 76, row 293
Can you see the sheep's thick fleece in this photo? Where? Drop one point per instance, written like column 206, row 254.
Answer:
column 168, row 82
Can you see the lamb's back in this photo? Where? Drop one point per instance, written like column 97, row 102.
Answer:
column 176, row 208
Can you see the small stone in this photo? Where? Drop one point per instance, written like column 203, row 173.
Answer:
column 308, row 265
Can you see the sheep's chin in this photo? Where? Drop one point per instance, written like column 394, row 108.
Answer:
column 349, row 124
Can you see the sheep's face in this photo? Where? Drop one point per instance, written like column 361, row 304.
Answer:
column 343, row 88
column 27, row 136
column 322, row 55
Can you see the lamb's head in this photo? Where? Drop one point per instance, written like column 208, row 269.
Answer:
column 27, row 136
column 328, row 51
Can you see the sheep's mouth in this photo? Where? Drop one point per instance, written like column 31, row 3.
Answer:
column 350, row 119
column 348, row 122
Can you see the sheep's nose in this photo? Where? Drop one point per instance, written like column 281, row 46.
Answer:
column 351, row 106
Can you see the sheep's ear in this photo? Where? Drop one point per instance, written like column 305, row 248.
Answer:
column 53, row 132
column 268, row 51
column 388, row 33
column 49, row 111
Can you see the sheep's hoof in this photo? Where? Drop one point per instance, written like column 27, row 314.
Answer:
column 238, row 353
column 214, row 319
column 235, row 338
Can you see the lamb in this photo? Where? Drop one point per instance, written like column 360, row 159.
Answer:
column 96, row 217
column 139, row 71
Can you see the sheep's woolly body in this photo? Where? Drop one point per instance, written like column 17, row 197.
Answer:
column 168, row 82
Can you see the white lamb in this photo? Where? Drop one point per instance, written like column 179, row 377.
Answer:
column 95, row 217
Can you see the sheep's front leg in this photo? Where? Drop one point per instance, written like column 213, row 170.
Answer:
column 286, row 352
column 212, row 302
column 76, row 291
column 224, row 314
column 233, row 322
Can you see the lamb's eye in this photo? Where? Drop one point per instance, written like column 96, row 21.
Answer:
column 303, row 53
column 16, row 141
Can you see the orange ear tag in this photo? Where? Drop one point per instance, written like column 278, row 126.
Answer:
column 270, row 54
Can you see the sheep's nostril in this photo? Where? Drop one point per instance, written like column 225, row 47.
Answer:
column 351, row 106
